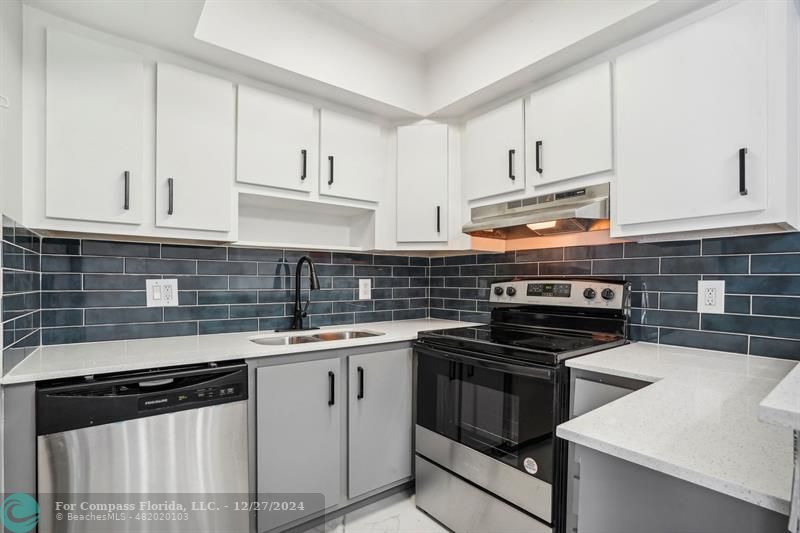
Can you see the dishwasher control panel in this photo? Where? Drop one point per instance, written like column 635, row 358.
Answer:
column 75, row 403
column 230, row 391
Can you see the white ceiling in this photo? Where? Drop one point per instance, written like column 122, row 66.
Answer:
column 419, row 25
column 398, row 59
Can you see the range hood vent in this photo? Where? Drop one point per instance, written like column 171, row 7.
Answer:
column 573, row 211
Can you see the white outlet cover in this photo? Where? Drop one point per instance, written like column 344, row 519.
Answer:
column 162, row 292
column 718, row 288
column 365, row 289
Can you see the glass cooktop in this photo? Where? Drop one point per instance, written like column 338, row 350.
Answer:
column 539, row 345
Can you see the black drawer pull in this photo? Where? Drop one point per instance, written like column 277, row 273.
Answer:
column 742, row 172
column 438, row 219
column 360, row 383
column 539, row 157
column 330, row 170
column 127, row 203
column 511, row 165
column 305, row 161
column 171, row 199
column 331, row 388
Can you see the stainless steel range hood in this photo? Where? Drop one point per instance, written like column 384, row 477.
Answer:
column 576, row 210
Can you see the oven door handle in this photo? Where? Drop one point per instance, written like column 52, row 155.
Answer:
column 529, row 371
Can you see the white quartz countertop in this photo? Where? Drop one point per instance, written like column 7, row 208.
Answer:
column 782, row 405
column 69, row 360
column 698, row 421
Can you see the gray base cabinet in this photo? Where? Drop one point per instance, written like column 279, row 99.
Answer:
column 339, row 427
column 612, row 501
column 379, row 420
column 298, row 434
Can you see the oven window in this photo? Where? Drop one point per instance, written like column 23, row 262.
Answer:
column 507, row 416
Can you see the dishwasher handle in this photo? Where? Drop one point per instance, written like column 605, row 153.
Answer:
column 156, row 382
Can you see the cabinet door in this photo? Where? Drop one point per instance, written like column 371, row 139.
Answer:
column 493, row 159
column 276, row 141
column 298, row 433
column 379, row 421
column 568, row 128
column 352, row 157
column 194, row 150
column 686, row 105
column 94, row 124
column 422, row 183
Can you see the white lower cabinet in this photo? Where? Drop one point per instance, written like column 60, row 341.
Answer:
column 379, row 420
column 195, row 134
column 298, row 434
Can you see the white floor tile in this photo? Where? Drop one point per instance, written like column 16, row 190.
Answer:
column 395, row 514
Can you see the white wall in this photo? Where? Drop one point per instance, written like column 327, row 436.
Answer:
column 328, row 48
column 518, row 34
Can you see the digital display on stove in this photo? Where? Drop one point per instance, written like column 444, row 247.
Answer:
column 559, row 290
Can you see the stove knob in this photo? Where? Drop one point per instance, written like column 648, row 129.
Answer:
column 589, row 293
column 607, row 294
column 511, row 291
column 498, row 291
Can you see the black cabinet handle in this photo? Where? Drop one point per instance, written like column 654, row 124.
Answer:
column 305, row 161
column 360, row 383
column 330, row 170
column 539, row 157
column 438, row 219
column 127, row 204
column 742, row 172
column 331, row 388
column 511, row 165
column 171, row 198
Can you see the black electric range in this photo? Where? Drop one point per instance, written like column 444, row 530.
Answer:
column 490, row 397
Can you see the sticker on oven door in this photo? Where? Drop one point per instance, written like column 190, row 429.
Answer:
column 530, row 465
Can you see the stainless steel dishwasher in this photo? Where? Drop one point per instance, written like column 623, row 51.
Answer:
column 159, row 436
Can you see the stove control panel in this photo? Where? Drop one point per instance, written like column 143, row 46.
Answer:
column 568, row 293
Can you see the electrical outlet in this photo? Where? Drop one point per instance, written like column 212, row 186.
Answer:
column 365, row 289
column 711, row 296
column 162, row 292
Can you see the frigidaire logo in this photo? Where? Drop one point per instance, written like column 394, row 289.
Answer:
column 20, row 513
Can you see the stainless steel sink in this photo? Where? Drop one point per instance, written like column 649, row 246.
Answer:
column 285, row 341
column 344, row 335
column 315, row 337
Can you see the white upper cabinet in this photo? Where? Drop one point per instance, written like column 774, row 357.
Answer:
column 493, row 160
column 352, row 157
column 276, row 141
column 94, row 131
column 422, row 196
column 195, row 130
column 568, row 128
column 691, row 119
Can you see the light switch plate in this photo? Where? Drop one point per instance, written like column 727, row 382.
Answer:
column 162, row 292
column 711, row 296
column 365, row 289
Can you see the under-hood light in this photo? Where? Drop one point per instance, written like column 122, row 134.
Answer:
column 542, row 225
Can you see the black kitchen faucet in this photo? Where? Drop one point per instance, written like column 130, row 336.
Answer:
column 300, row 312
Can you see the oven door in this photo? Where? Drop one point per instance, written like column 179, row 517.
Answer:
column 503, row 411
